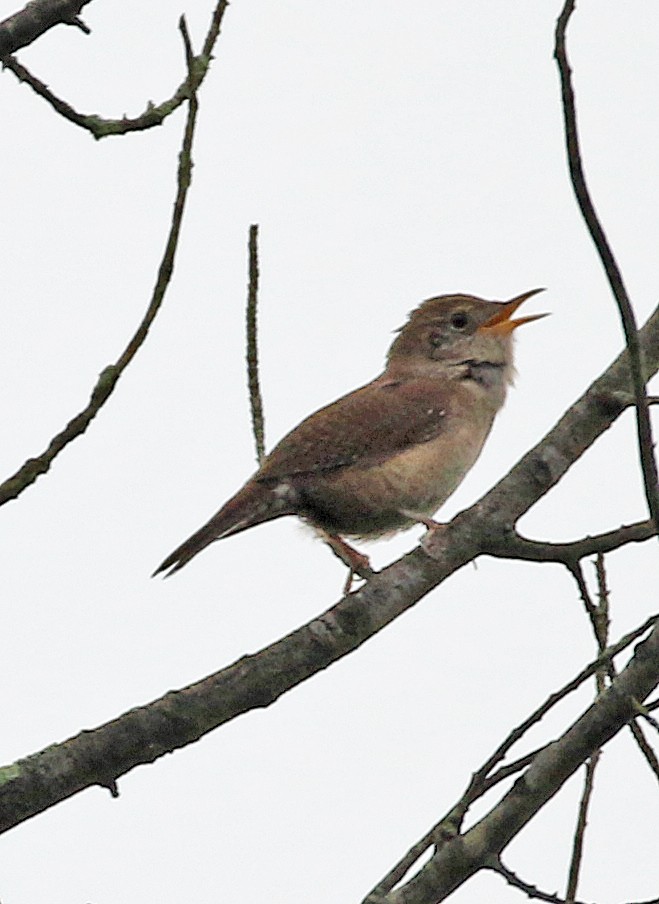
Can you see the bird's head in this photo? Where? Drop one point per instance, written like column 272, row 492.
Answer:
column 450, row 329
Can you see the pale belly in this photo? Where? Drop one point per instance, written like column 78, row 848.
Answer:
column 381, row 499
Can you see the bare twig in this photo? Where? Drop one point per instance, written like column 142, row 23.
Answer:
column 511, row 545
column 34, row 467
column 576, row 571
column 397, row 874
column 153, row 115
column 463, row 855
column 509, row 769
column 599, row 618
column 482, row 781
column 601, row 621
column 544, row 466
column 566, row 553
column 601, row 626
column 646, row 750
column 613, row 274
column 336, row 544
column 255, row 400
column 648, row 718
column 592, row 668
column 214, row 29
column 531, row 891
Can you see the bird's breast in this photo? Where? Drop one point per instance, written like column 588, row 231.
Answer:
column 360, row 501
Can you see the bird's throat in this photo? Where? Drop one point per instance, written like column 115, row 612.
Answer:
column 489, row 374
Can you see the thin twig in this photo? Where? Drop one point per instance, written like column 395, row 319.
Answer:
column 613, row 274
column 255, row 399
column 397, row 874
column 99, row 127
column 644, row 746
column 576, row 571
column 337, row 546
column 214, row 29
column 509, row 769
column 478, row 847
column 601, row 625
column 591, row 669
column 153, row 115
column 599, row 618
column 601, row 621
column 482, row 781
column 531, row 891
column 648, row 718
column 34, row 467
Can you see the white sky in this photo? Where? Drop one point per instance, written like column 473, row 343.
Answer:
column 389, row 152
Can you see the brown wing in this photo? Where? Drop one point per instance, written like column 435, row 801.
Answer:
column 371, row 424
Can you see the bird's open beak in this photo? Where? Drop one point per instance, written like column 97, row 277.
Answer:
column 501, row 323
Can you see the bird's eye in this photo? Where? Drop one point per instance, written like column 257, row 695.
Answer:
column 459, row 320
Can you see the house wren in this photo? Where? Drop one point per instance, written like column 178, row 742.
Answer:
column 387, row 455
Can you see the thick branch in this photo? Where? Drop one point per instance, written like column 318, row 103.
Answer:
column 24, row 27
column 459, row 858
column 484, row 779
column 541, row 468
column 146, row 733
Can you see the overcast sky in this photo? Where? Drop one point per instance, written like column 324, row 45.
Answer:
column 389, row 152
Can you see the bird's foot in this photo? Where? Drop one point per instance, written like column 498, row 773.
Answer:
column 432, row 540
column 434, row 530
column 358, row 564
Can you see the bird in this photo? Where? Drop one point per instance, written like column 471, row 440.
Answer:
column 387, row 455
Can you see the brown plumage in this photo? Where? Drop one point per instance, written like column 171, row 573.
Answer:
column 390, row 453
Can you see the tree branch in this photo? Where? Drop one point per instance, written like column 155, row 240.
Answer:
column 531, row 891
column 599, row 619
column 541, row 468
column 153, row 115
column 36, row 18
column 483, row 780
column 253, row 385
column 144, row 734
column 461, row 857
column 514, row 546
column 35, row 467
column 613, row 274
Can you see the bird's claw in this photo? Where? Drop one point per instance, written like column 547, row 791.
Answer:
column 358, row 564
